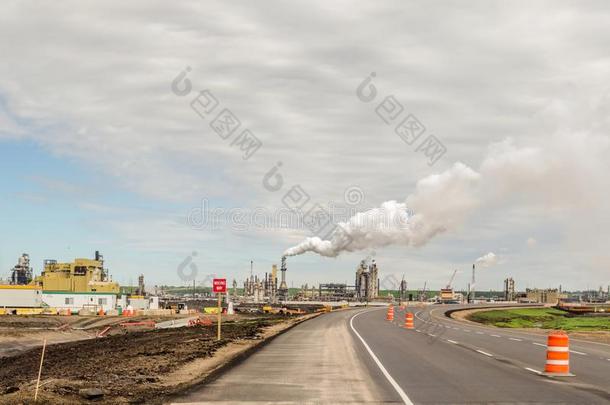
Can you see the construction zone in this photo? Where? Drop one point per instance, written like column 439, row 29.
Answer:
column 130, row 365
column 71, row 334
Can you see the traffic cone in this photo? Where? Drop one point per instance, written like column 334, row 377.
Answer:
column 408, row 320
column 390, row 314
column 558, row 355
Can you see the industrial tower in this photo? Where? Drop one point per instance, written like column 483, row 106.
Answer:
column 283, row 290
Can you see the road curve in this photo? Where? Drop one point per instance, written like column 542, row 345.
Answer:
column 449, row 362
column 589, row 361
column 357, row 357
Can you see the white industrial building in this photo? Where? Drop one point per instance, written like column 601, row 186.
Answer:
column 29, row 296
column 21, row 296
column 76, row 301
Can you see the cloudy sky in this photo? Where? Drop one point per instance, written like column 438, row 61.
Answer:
column 99, row 151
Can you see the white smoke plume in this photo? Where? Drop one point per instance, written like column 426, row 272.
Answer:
column 412, row 223
column 555, row 178
column 487, row 260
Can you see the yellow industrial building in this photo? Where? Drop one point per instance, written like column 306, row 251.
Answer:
column 83, row 275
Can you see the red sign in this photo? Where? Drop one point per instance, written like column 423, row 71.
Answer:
column 219, row 285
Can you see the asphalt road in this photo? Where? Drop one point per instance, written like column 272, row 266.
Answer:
column 446, row 361
column 359, row 357
column 589, row 361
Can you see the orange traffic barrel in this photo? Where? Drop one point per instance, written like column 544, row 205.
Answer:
column 408, row 320
column 557, row 354
column 390, row 314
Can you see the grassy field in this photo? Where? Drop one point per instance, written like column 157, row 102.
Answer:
column 545, row 318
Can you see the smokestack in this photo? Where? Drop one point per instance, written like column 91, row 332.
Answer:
column 472, row 290
column 283, row 270
column 473, row 280
column 283, row 290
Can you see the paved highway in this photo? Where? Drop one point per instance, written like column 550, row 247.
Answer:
column 589, row 361
column 318, row 361
column 446, row 361
column 359, row 357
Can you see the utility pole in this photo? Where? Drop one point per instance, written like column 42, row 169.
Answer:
column 219, row 315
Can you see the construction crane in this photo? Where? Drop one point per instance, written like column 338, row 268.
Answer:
column 451, row 279
column 447, row 295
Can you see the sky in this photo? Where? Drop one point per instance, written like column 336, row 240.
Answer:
column 106, row 141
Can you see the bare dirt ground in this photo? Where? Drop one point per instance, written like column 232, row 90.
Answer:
column 591, row 336
column 21, row 333
column 137, row 367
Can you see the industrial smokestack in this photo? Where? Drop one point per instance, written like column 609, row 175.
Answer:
column 283, row 270
column 472, row 289
column 283, row 290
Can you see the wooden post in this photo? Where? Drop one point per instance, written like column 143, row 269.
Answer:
column 44, row 345
column 219, row 313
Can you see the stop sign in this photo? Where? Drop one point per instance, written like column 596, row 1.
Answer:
column 219, row 285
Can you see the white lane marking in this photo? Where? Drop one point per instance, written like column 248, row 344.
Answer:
column 574, row 351
column 485, row 353
column 533, row 371
column 533, row 335
column 417, row 330
column 448, row 327
column 466, row 330
column 480, row 333
column 516, row 340
column 430, row 334
column 495, row 335
column 452, row 341
column 538, row 344
column 392, row 381
column 456, row 328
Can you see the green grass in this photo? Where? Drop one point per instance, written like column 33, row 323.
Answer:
column 545, row 318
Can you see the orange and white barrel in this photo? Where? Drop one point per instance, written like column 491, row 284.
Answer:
column 558, row 354
column 390, row 314
column 409, row 320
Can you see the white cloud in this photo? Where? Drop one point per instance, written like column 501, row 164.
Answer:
column 92, row 82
